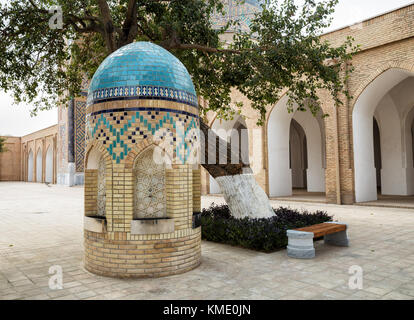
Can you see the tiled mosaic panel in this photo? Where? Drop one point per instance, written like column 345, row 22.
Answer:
column 79, row 135
column 101, row 199
column 243, row 13
column 119, row 131
column 149, row 187
column 62, row 146
column 142, row 92
column 140, row 67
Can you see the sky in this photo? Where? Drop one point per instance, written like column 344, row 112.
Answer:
column 15, row 120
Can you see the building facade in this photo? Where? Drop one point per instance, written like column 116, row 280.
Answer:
column 31, row 158
column 362, row 150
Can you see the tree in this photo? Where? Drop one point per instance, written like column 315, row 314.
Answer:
column 282, row 50
column 2, row 145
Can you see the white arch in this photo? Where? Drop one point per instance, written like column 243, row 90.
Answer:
column 30, row 166
column 278, row 128
column 49, row 165
column 392, row 175
column 315, row 172
column 224, row 129
column 39, row 165
column 297, row 141
column 408, row 131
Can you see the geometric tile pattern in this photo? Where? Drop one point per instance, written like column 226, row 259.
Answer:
column 120, row 130
column 149, row 187
column 101, row 199
column 142, row 92
column 79, row 115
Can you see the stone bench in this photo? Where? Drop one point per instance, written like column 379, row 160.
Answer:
column 300, row 244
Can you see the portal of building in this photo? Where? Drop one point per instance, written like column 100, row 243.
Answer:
column 383, row 140
column 296, row 151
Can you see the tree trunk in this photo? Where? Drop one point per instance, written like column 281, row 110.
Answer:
column 243, row 195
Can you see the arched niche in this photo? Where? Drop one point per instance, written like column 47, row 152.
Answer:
column 101, row 196
column 96, row 183
column 298, row 155
column 149, row 185
column 93, row 159
column 39, row 165
column 278, row 144
column 49, row 165
column 30, row 166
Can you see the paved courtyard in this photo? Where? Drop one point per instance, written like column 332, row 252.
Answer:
column 41, row 226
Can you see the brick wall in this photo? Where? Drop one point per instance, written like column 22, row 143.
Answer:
column 10, row 160
column 387, row 41
column 154, row 256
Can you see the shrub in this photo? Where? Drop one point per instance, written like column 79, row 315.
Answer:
column 266, row 234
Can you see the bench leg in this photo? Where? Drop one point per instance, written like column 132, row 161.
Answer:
column 338, row 239
column 300, row 245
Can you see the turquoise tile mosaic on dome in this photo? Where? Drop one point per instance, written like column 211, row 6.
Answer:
column 142, row 70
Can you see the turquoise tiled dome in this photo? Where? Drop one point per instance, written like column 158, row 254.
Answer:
column 142, row 70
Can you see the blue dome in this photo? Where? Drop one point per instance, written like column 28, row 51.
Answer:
column 142, row 70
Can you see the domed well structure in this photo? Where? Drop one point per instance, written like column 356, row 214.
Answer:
column 142, row 174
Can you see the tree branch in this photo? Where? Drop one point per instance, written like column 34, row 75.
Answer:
column 108, row 26
column 130, row 27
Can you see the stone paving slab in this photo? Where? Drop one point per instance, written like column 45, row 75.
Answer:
column 41, row 226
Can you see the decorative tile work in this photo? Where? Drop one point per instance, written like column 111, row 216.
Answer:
column 149, row 187
column 79, row 135
column 63, row 149
column 142, row 92
column 120, row 130
column 136, row 186
column 142, row 69
column 101, row 200
column 234, row 10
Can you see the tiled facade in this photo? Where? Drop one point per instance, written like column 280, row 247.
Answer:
column 121, row 132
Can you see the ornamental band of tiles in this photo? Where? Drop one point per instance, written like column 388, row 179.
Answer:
column 142, row 174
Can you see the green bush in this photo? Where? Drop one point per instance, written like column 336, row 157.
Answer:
column 267, row 234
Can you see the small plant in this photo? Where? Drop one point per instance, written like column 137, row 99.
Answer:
column 266, row 235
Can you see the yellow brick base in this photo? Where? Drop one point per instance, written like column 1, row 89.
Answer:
column 142, row 258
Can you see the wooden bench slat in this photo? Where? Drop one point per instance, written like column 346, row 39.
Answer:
column 323, row 229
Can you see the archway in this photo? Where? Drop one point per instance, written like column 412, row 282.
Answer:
column 39, row 165
column 296, row 151
column 30, row 166
column 298, row 158
column 235, row 132
column 389, row 99
column 412, row 140
column 377, row 153
column 49, row 165
column 149, row 184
